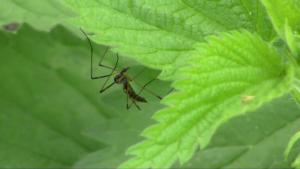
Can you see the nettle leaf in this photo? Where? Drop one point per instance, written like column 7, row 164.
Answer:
column 288, row 149
column 50, row 106
column 120, row 134
column 286, row 20
column 229, row 75
column 256, row 139
column 40, row 14
column 158, row 33
column 43, row 111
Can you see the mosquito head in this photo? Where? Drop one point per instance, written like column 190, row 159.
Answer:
column 124, row 70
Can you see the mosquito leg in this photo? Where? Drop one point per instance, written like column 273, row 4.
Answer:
column 102, row 90
column 144, row 87
column 102, row 59
column 132, row 101
column 146, row 84
column 103, row 56
column 109, row 67
column 170, row 91
column 135, row 105
column 127, row 99
column 92, row 57
column 139, row 73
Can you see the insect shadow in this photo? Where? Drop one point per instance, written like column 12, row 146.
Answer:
column 122, row 79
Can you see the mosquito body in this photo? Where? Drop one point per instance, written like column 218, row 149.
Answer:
column 127, row 88
column 122, row 79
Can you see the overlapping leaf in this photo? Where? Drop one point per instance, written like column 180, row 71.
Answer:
column 256, row 139
column 225, row 73
column 48, row 100
column 158, row 33
column 285, row 18
column 288, row 149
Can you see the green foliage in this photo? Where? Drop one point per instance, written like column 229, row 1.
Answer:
column 288, row 149
column 285, row 17
column 40, row 14
column 38, row 123
column 159, row 33
column 221, row 55
column 256, row 139
column 220, row 76
column 49, row 100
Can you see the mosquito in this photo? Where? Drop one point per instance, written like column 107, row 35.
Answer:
column 121, row 78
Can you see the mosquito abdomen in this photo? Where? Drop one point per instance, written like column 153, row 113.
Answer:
column 134, row 96
column 140, row 99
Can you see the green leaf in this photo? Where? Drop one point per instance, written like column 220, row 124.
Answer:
column 291, row 38
column 296, row 163
column 289, row 147
column 120, row 134
column 51, row 111
column 229, row 75
column 159, row 33
column 40, row 14
column 109, row 157
column 49, row 104
column 256, row 139
column 296, row 86
column 39, row 125
column 285, row 18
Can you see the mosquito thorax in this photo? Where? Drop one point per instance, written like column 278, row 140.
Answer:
column 122, row 78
